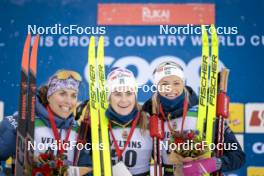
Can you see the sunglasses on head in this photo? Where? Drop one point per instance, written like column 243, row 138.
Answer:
column 65, row 74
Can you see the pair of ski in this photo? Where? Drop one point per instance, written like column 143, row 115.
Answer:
column 212, row 101
column 98, row 105
column 25, row 129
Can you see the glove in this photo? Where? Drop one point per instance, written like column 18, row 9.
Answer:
column 81, row 110
column 175, row 158
column 73, row 171
column 77, row 171
column 200, row 167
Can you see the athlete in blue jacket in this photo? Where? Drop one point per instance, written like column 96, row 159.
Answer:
column 168, row 103
column 55, row 103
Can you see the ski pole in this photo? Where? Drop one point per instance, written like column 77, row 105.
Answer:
column 222, row 111
column 157, row 133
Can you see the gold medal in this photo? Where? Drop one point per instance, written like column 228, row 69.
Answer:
column 124, row 132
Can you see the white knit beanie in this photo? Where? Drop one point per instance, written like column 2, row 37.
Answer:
column 121, row 79
column 165, row 69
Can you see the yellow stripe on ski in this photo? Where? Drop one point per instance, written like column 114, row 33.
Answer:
column 212, row 95
column 203, row 82
column 102, row 108
column 94, row 108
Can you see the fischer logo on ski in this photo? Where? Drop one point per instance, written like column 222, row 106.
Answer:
column 208, row 86
column 98, row 105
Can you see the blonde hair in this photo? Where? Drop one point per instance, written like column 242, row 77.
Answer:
column 143, row 119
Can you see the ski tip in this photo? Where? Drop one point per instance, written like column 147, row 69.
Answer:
column 213, row 30
column 214, row 35
column 25, row 55
column 91, row 48
column 213, row 26
column 101, row 39
column 28, row 36
column 101, row 42
column 92, row 40
column 100, row 50
column 204, row 35
column 203, row 28
column 91, row 43
column 33, row 57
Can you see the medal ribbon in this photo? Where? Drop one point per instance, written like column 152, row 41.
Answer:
column 117, row 149
column 56, row 133
column 185, row 107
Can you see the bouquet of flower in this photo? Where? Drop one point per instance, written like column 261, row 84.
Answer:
column 185, row 147
column 188, row 144
column 49, row 165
